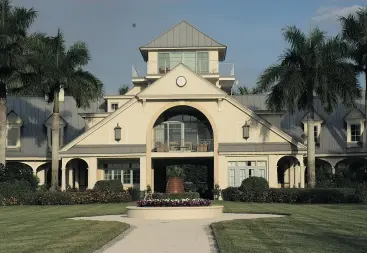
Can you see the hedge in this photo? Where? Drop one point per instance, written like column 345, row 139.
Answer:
column 185, row 195
column 108, row 186
column 297, row 195
column 65, row 198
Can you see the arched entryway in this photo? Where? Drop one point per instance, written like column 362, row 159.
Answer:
column 44, row 173
column 289, row 174
column 76, row 174
column 184, row 137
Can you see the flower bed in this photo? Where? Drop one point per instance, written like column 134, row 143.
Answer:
column 172, row 202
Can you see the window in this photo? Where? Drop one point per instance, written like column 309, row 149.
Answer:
column 355, row 132
column 114, row 107
column 232, row 181
column 197, row 61
column 127, row 172
column 13, row 137
column 61, row 137
column 238, row 171
column 316, row 133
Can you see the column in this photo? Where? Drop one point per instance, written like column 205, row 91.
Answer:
column 41, row 176
column 92, row 172
column 148, row 172
column 297, row 179
column 273, row 171
column 63, row 178
column 332, row 169
column 76, row 174
column 71, row 176
column 143, row 173
column 291, row 176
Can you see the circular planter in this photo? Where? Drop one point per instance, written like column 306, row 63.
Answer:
column 174, row 213
column 175, row 185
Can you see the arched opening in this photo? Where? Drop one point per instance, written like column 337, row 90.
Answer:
column 287, row 175
column 44, row 173
column 18, row 166
column 76, row 174
column 186, row 130
column 350, row 172
column 324, row 174
column 182, row 129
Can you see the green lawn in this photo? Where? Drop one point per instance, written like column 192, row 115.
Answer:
column 41, row 229
column 308, row 228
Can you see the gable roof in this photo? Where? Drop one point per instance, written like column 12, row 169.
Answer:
column 183, row 35
column 317, row 117
column 354, row 113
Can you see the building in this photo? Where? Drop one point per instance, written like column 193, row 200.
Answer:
column 180, row 112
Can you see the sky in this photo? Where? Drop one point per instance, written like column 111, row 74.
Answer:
column 251, row 29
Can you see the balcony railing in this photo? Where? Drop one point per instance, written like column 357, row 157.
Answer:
column 200, row 145
column 210, row 68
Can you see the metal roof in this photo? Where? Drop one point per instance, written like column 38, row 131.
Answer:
column 333, row 136
column 34, row 111
column 183, row 35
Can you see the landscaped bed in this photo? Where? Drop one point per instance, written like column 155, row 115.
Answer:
column 173, row 202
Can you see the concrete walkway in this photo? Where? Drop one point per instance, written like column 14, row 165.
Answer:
column 159, row 236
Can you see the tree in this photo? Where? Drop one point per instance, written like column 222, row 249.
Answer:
column 55, row 67
column 243, row 90
column 123, row 89
column 313, row 65
column 15, row 22
column 354, row 31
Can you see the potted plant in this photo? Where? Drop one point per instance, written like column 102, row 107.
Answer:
column 217, row 192
column 175, row 183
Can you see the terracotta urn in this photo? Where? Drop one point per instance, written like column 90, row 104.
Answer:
column 175, row 185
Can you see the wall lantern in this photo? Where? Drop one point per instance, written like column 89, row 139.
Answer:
column 246, row 131
column 117, row 133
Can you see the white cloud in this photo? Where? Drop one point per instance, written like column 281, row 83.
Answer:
column 332, row 14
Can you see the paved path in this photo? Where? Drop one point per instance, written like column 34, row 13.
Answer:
column 160, row 236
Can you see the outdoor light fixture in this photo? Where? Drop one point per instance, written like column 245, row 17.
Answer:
column 246, row 131
column 117, row 133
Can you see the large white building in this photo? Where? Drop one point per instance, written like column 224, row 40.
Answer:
column 181, row 111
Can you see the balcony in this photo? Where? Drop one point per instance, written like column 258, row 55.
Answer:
column 182, row 129
column 211, row 68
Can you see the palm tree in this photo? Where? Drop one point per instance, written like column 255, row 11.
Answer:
column 15, row 22
column 354, row 31
column 313, row 65
column 243, row 90
column 123, row 89
column 56, row 68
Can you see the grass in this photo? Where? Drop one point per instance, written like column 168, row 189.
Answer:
column 308, row 228
column 44, row 229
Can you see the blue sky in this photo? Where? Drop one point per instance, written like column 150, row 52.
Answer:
column 250, row 28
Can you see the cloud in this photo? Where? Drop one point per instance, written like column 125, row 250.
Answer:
column 332, row 14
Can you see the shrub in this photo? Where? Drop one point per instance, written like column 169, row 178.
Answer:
column 67, row 198
column 231, row 194
column 18, row 172
column 361, row 193
column 134, row 193
column 43, row 188
column 254, row 189
column 173, row 202
column 15, row 190
column 108, row 186
column 185, row 195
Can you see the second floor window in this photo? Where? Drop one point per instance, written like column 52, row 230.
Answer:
column 114, row 107
column 355, row 132
column 13, row 137
column 316, row 133
column 197, row 61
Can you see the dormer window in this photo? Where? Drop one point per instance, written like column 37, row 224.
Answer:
column 355, row 132
column 14, row 124
column 114, row 107
column 318, row 121
column 48, row 124
column 355, row 122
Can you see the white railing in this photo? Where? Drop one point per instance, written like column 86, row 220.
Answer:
column 182, row 145
column 210, row 68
